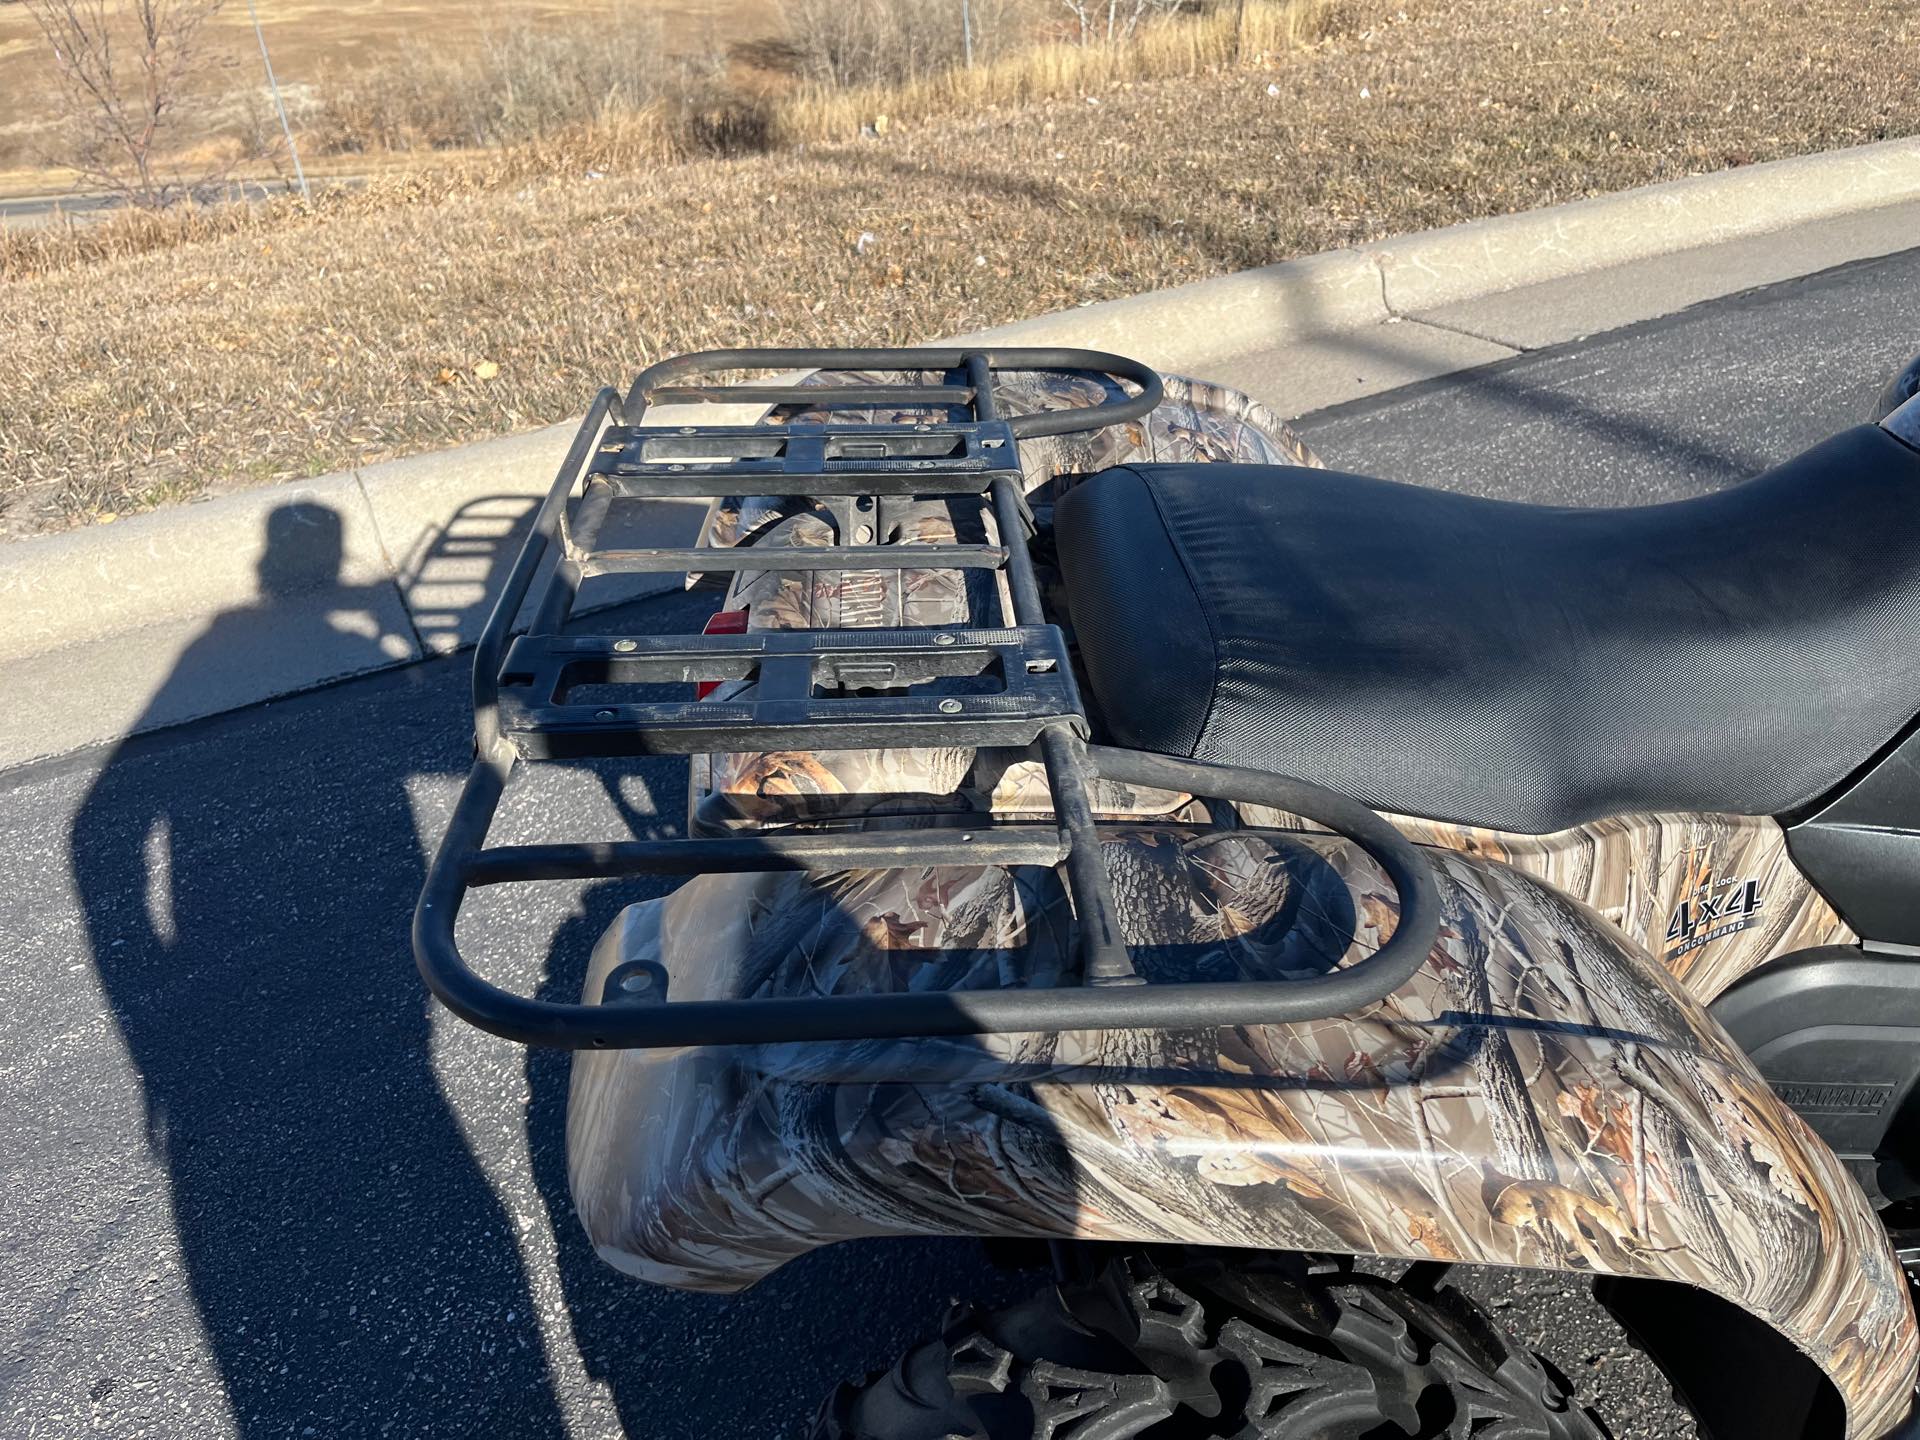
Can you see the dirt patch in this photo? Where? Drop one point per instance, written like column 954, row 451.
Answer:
column 290, row 345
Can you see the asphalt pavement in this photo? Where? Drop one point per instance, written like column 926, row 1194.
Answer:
column 1693, row 401
column 28, row 212
column 255, row 1185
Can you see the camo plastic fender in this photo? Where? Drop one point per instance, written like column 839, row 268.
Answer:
column 1542, row 1094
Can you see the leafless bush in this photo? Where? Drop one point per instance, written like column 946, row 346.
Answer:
column 124, row 75
column 889, row 42
column 254, row 128
column 1105, row 21
column 522, row 82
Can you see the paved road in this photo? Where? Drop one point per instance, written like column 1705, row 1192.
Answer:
column 29, row 211
column 255, row 1186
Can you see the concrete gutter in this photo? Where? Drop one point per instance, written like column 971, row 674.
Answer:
column 185, row 612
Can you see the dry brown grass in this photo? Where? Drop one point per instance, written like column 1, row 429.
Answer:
column 519, row 81
column 1176, row 47
column 560, row 85
column 889, row 42
column 312, row 342
column 312, row 38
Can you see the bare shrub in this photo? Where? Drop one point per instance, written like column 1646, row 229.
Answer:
column 258, row 141
column 522, row 82
column 124, row 75
column 1105, row 21
column 890, row 42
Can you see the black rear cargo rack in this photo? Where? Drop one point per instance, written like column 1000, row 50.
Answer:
column 807, row 694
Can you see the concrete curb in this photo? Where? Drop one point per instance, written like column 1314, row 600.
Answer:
column 1443, row 267
column 1345, row 290
column 1190, row 325
column 401, row 559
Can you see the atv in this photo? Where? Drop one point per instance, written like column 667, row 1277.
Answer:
column 1248, row 889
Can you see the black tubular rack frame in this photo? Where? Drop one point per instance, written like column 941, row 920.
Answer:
column 522, row 709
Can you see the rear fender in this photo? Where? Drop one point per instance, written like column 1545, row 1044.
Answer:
column 1542, row 1094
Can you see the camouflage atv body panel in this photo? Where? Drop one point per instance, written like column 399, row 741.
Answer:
column 1714, row 897
column 1544, row 1093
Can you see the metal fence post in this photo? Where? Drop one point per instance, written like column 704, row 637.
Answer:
column 299, row 174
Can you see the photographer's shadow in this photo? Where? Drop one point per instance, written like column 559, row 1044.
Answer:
column 352, row 1267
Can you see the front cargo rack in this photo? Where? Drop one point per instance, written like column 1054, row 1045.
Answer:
column 814, row 690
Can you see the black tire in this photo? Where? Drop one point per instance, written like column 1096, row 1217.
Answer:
column 1253, row 1349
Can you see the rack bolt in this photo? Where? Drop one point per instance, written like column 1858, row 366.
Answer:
column 638, row 981
column 626, row 646
column 943, row 639
column 863, row 534
column 950, row 707
column 603, row 714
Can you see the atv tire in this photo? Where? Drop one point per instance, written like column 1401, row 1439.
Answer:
column 1254, row 1349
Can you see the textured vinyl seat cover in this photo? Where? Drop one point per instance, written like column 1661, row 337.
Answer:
column 1514, row 666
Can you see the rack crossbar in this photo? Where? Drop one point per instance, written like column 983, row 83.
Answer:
column 814, row 397
column 807, row 459
column 772, row 479
column 815, row 853
column 786, row 709
column 721, row 558
column 816, row 644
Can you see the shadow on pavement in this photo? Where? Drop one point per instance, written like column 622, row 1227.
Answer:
column 354, row 1270
column 352, row 1267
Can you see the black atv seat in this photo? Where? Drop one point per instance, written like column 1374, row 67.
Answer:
column 1514, row 666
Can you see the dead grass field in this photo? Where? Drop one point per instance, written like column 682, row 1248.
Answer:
column 311, row 38
column 279, row 345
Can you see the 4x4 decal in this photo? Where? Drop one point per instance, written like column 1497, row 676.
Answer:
column 1714, row 909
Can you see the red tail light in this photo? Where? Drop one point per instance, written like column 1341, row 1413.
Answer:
column 721, row 622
